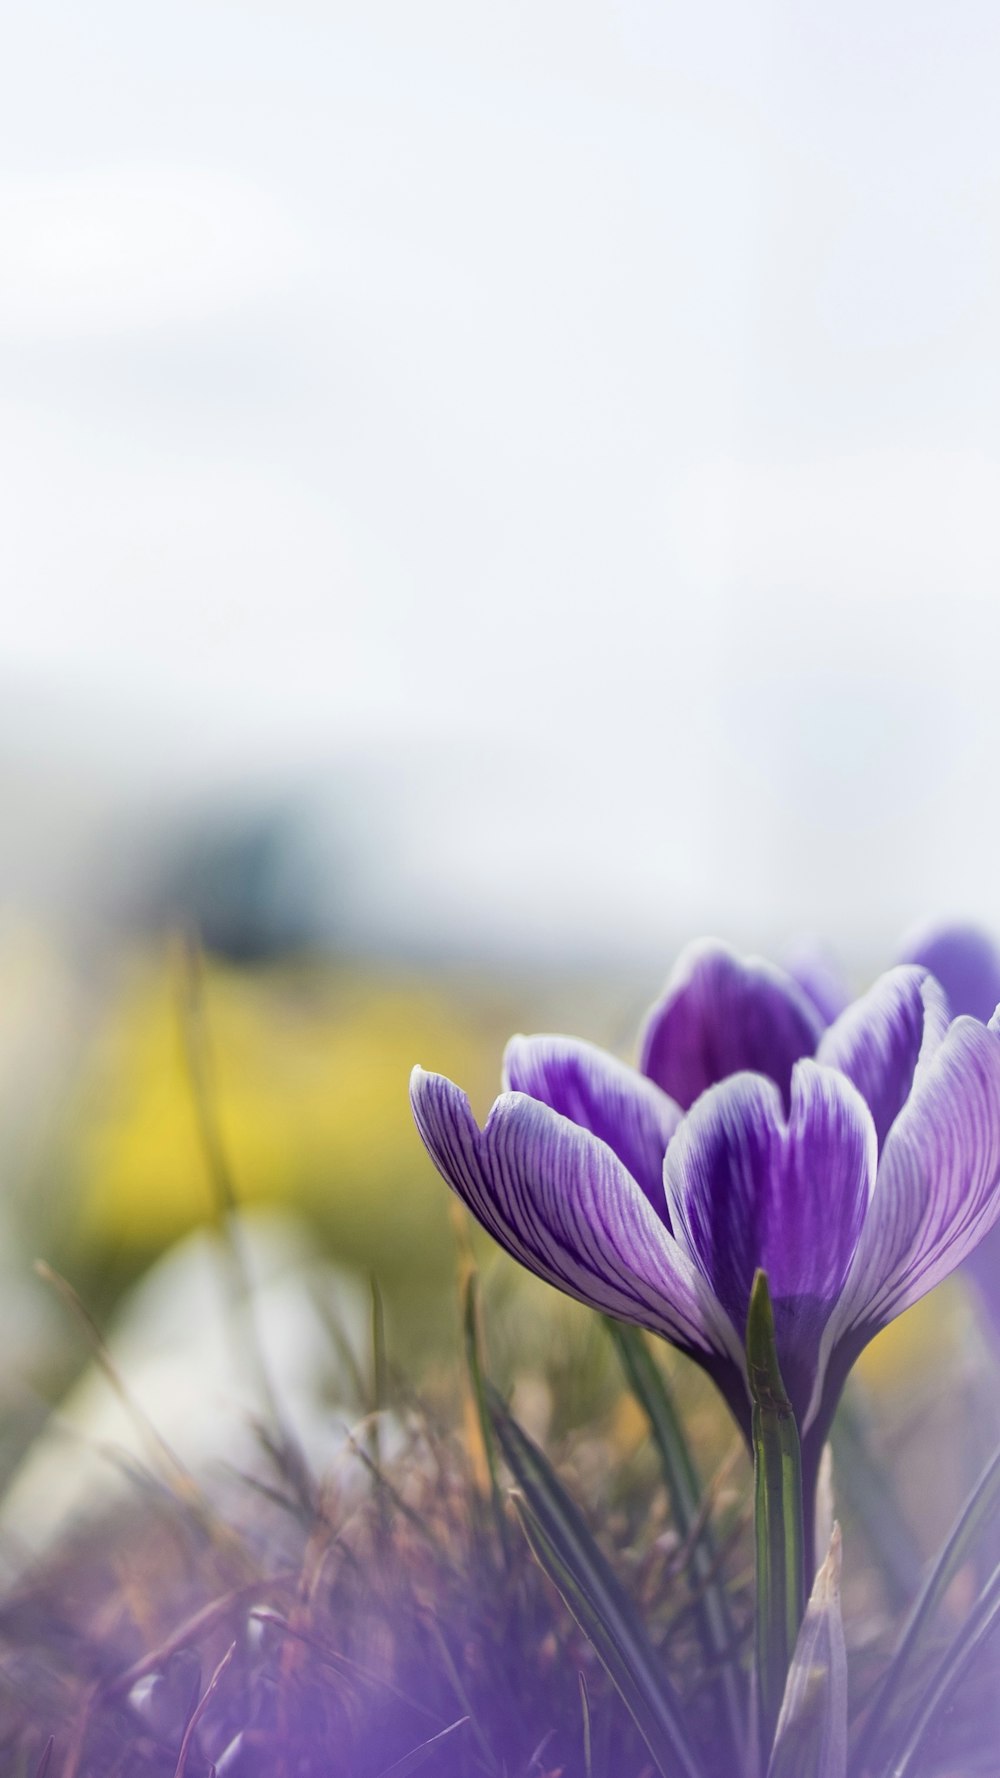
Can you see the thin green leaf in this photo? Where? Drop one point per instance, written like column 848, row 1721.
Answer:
column 417, row 1755
column 450, row 1666
column 778, row 1520
column 379, row 1373
column 914, row 1733
column 199, row 1061
column 477, row 1382
column 811, row 1736
column 711, row 1603
column 566, row 1550
column 979, row 1511
column 588, row 1751
column 380, row 1366
column 869, row 1493
column 649, row 1387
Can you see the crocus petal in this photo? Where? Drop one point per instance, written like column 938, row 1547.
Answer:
column 745, row 1189
column 883, row 1041
column 601, row 1094
column 562, row 1204
column 967, row 964
column 984, row 1261
column 721, row 1015
column 938, row 1187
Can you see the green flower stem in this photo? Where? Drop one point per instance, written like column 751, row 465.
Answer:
column 778, row 1515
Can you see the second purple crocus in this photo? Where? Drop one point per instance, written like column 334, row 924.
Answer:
column 965, row 962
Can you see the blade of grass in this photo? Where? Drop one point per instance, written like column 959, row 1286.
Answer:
column 649, row 1387
column 915, row 1732
column 588, row 1751
column 778, row 1518
column 166, row 1458
column 116, row 1685
column 417, row 1755
column 200, row 1708
column 477, row 1385
column 978, row 1512
column 564, row 1547
column 711, row 1602
column 493, row 1765
column 868, row 1490
column 198, row 1057
column 340, row 1663
column 478, row 1439
column 379, row 1370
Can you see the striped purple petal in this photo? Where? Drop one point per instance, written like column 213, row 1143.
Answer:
column 967, row 964
column 601, row 1094
column 723, row 1015
column 938, row 1187
column 746, row 1188
column 561, row 1202
column 884, row 1039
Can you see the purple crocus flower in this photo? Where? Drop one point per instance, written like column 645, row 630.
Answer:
column 857, row 1164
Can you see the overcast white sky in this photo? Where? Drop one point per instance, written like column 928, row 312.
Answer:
column 578, row 426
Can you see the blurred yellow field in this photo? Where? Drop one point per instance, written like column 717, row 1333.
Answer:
column 310, row 1069
column 310, row 1065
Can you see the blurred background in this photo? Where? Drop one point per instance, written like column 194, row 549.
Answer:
column 490, row 493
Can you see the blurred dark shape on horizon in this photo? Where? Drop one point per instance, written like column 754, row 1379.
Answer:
column 122, row 824
column 251, row 886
